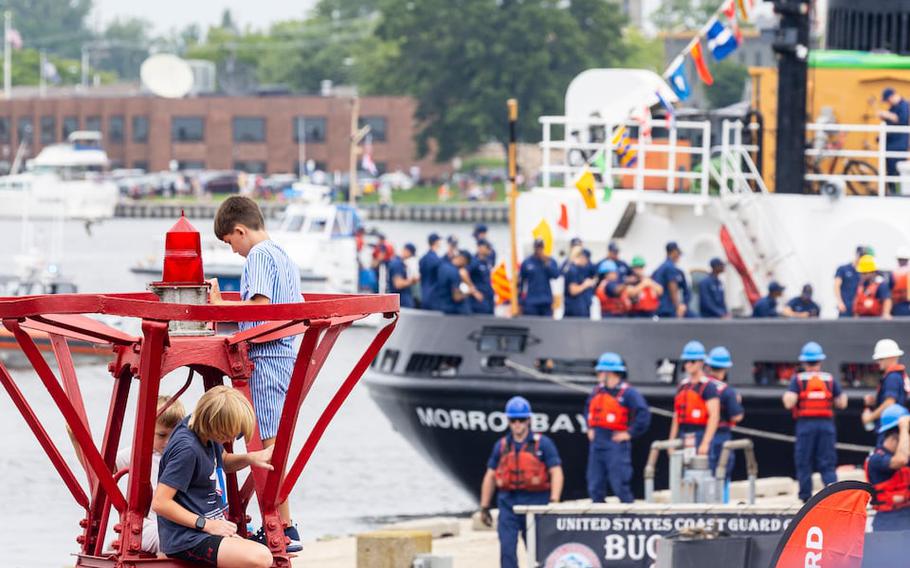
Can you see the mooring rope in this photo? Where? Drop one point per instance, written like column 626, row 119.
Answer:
column 566, row 383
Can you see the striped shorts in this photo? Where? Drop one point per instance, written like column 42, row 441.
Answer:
column 269, row 387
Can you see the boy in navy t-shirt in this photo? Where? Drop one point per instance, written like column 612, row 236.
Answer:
column 190, row 498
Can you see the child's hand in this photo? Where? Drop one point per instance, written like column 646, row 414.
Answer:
column 214, row 291
column 262, row 458
column 219, row 527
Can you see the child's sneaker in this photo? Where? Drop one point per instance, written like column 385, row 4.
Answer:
column 294, row 536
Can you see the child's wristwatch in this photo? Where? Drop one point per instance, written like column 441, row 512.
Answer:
column 200, row 522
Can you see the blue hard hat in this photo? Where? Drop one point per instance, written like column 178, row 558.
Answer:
column 693, row 351
column 812, row 352
column 610, row 362
column 890, row 416
column 607, row 267
column 518, row 407
column 719, row 358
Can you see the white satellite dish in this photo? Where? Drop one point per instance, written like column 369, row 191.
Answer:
column 167, row 76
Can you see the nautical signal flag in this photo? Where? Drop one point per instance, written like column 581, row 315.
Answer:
column 623, row 147
column 700, row 66
column 502, row 285
column 678, row 81
column 721, row 40
column 563, row 222
column 544, row 233
column 586, row 187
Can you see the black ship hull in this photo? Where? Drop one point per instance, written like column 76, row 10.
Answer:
column 442, row 383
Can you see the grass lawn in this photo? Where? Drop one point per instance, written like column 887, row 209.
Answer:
column 426, row 194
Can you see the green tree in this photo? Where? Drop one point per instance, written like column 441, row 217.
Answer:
column 680, row 15
column 123, row 47
column 729, row 82
column 58, row 26
column 643, row 52
column 462, row 59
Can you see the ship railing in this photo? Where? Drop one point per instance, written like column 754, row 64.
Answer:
column 674, row 159
column 833, row 157
column 737, row 171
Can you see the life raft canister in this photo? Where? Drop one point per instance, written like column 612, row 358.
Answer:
column 520, row 469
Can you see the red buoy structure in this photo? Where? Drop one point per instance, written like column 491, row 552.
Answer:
column 147, row 358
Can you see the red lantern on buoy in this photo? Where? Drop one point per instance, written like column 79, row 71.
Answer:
column 183, row 254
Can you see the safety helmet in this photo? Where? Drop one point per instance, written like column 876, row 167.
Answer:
column 865, row 264
column 890, row 416
column 811, row 352
column 518, row 407
column 885, row 348
column 607, row 267
column 638, row 261
column 693, row 351
column 610, row 362
column 719, row 358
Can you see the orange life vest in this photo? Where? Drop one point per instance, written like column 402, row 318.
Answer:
column 647, row 301
column 816, row 396
column 901, row 277
column 866, row 302
column 690, row 405
column 892, row 494
column 611, row 305
column 521, row 470
column 607, row 411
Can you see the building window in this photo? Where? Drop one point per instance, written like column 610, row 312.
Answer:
column 70, row 125
column 48, row 129
column 311, row 129
column 249, row 129
column 318, row 166
column 140, row 129
column 4, row 130
column 190, row 165
column 93, row 123
column 377, row 127
column 24, row 128
column 187, row 129
column 116, row 164
column 141, row 165
column 115, row 129
column 250, row 167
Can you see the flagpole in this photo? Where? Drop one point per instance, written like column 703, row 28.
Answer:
column 7, row 56
column 513, row 199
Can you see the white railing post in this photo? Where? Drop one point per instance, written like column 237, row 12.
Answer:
column 671, row 159
column 608, row 154
column 640, row 162
column 706, row 159
column 545, row 142
column 724, row 154
column 882, row 163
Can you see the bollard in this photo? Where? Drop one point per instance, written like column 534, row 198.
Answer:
column 392, row 549
column 651, row 465
column 720, row 474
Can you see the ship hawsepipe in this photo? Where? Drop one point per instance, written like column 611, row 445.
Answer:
column 442, row 382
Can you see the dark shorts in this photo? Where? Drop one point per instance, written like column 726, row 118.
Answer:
column 206, row 552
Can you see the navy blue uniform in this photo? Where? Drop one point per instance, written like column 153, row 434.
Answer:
column 711, row 300
column 479, row 269
column 892, row 385
column 578, row 305
column 622, row 268
column 534, row 286
column 801, row 306
column 815, row 444
column 730, row 406
column 878, row 468
column 395, row 268
column 449, row 280
column 429, row 263
column 897, row 141
column 666, row 273
column 765, row 308
column 849, row 281
column 510, row 524
column 609, row 461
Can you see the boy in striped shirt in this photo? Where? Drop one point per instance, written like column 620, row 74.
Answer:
column 269, row 277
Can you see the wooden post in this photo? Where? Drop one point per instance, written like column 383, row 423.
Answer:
column 513, row 198
column 355, row 141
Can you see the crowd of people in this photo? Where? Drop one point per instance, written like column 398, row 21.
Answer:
column 524, row 467
column 453, row 280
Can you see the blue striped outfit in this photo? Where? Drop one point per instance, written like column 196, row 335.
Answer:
column 269, row 271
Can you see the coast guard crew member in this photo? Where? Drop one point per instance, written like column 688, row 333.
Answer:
column 617, row 413
column 767, row 306
column 802, row 306
column 611, row 292
column 429, row 263
column 451, row 295
column 697, row 402
column 524, row 469
column 397, row 274
column 846, row 279
column 898, row 114
column 812, row 396
column 535, row 295
column 643, row 292
column 479, row 270
column 675, row 299
column 480, row 235
column 894, row 384
column 719, row 363
column 889, row 474
column 711, row 300
column 873, row 294
column 579, row 285
column 900, row 283
column 622, row 268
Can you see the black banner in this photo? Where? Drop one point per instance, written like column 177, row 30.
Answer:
column 627, row 540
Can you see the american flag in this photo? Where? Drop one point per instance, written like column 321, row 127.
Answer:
column 14, row 38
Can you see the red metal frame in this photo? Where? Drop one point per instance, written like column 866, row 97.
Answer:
column 321, row 319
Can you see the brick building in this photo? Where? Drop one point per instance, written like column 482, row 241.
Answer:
column 257, row 134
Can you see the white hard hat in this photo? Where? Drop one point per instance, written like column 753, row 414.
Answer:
column 886, row 348
column 903, row 252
